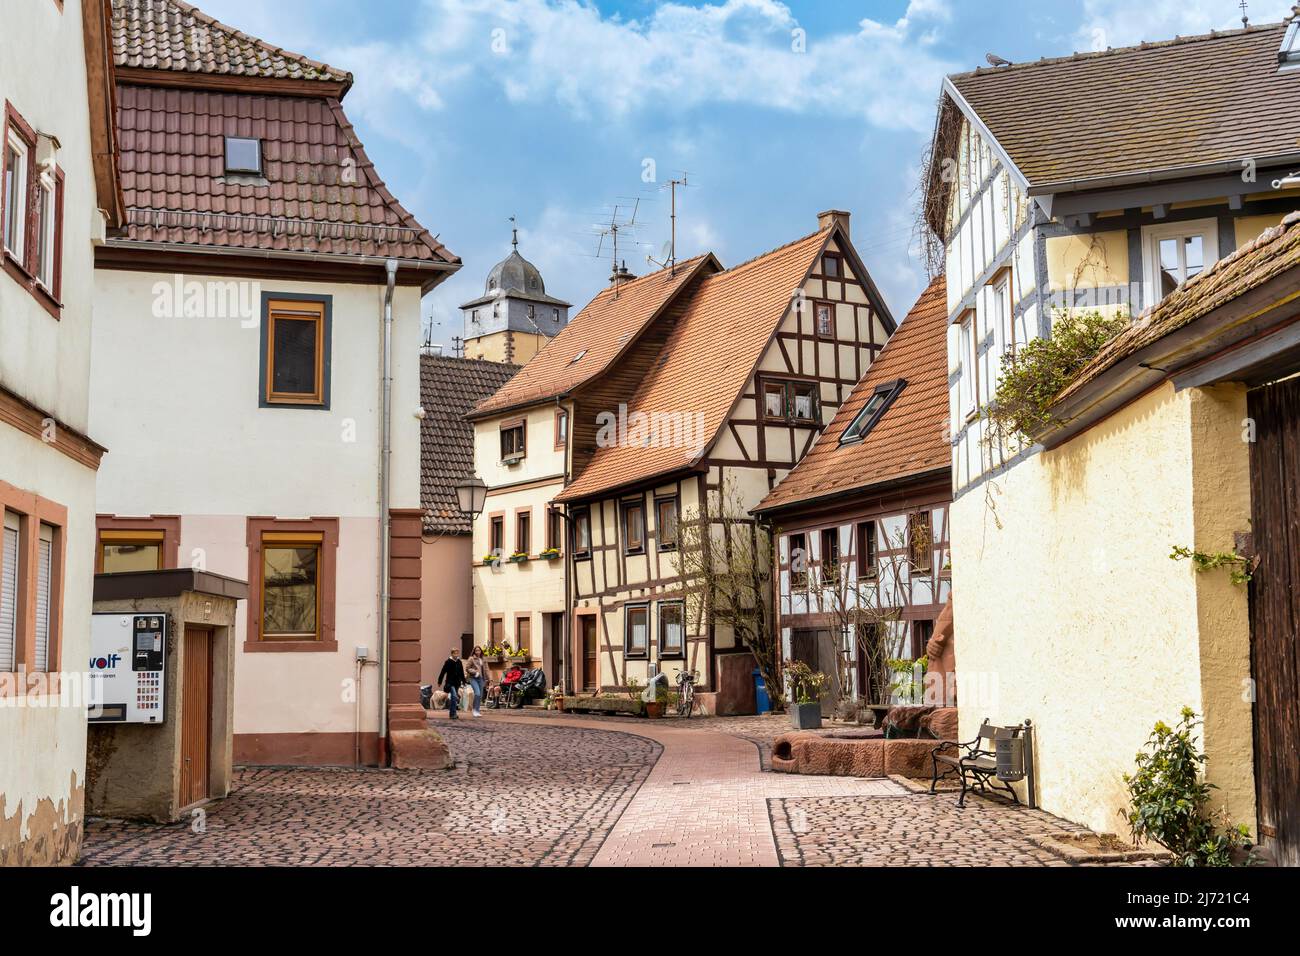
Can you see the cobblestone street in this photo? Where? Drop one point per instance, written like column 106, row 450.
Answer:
column 559, row 790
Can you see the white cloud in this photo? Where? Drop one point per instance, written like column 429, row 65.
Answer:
column 1113, row 23
column 735, row 51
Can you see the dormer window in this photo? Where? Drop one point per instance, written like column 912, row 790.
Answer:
column 243, row 155
column 872, row 412
column 1288, row 57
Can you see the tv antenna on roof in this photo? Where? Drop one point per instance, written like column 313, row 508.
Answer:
column 670, row 248
column 612, row 230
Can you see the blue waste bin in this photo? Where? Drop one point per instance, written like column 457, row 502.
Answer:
column 764, row 705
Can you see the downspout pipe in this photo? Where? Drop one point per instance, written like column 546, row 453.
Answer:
column 385, row 494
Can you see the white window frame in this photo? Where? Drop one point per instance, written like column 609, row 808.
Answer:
column 1207, row 229
column 15, row 212
column 46, row 253
column 44, row 595
column 968, row 403
column 11, row 585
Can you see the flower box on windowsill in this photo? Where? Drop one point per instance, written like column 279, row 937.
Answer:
column 490, row 560
column 521, row 658
column 519, row 557
column 550, row 554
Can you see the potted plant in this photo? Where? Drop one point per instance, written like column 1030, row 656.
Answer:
column 806, row 689
column 550, row 554
column 491, row 559
column 519, row 557
column 658, row 706
column 518, row 657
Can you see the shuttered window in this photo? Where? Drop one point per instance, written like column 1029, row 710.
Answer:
column 44, row 566
column 9, row 593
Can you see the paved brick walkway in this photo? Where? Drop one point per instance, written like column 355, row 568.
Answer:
column 519, row 795
column 561, row 790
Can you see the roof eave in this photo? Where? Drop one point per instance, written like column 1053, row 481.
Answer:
column 871, row 488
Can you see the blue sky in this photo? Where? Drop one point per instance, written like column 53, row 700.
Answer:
column 552, row 111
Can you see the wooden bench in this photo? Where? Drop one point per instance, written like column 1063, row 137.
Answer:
column 976, row 763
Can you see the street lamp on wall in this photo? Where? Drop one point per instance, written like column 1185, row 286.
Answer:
column 471, row 496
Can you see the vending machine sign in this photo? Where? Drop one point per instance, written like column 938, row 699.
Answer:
column 127, row 668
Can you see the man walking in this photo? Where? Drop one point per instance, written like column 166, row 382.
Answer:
column 451, row 677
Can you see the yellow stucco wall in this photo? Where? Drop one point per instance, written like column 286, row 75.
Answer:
column 1069, row 611
column 1087, row 261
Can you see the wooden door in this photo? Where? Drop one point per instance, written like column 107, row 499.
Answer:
column 590, row 662
column 1275, row 614
column 559, row 661
column 196, row 714
column 816, row 649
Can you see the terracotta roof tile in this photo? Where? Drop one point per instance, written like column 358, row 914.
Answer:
column 711, row 353
column 909, row 439
column 1250, row 266
column 1189, row 101
column 172, row 146
column 601, row 332
column 172, row 35
column 449, row 387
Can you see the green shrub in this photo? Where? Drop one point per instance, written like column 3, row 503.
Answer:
column 1169, row 800
column 1037, row 371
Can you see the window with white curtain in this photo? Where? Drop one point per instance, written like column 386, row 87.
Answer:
column 9, row 593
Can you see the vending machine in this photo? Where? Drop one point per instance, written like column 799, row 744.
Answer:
column 127, row 672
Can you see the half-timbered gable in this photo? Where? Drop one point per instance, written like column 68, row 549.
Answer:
column 862, row 521
column 687, row 428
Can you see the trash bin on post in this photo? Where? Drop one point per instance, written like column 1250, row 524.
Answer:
column 762, row 704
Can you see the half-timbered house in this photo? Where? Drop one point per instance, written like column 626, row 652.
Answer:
column 862, row 520
column 525, row 449
column 720, row 400
column 1067, row 605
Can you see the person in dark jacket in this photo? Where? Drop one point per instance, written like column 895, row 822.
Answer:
column 451, row 677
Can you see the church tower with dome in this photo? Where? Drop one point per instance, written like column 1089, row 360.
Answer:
column 514, row 317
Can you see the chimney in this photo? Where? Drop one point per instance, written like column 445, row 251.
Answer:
column 834, row 217
column 620, row 275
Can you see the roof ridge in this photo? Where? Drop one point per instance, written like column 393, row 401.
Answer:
column 182, row 8
column 1081, row 55
column 628, row 283
column 771, row 252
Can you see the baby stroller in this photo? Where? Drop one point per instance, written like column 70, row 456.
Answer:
column 518, row 687
column 503, row 694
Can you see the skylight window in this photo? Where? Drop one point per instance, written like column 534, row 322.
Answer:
column 1289, row 55
column 243, row 155
column 871, row 412
column 578, row 356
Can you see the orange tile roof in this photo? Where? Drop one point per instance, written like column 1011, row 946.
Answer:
column 1189, row 101
column 601, row 332
column 909, row 439
column 710, row 355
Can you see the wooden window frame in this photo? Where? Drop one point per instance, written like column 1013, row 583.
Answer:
column 582, row 516
column 839, row 263
column 523, row 514
column 33, row 511
column 327, row 530
column 665, row 655
column 497, row 519
column 496, row 618
column 628, row 653
column 120, row 528
column 519, row 644
column 294, row 306
column 660, row 501
column 915, row 518
column 867, row 557
column 890, row 392
column 514, row 424
column 817, row 332
column 21, row 267
column 798, row 579
column 625, row 508
column 767, row 385
column 788, row 386
column 554, row 528
column 832, row 535
column 561, row 428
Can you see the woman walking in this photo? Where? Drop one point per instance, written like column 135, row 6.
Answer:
column 476, row 671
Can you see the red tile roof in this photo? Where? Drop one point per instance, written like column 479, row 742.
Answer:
column 910, row 439
column 602, row 331
column 449, row 387
column 172, row 35
column 172, row 145
column 318, row 194
column 710, row 355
